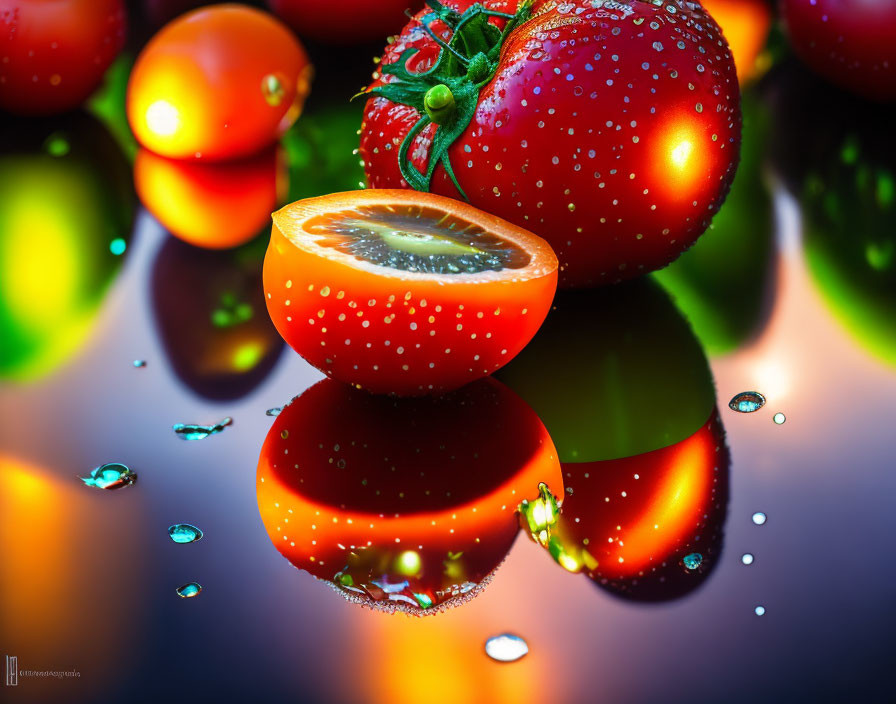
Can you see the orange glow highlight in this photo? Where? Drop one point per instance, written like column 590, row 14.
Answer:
column 162, row 118
column 745, row 24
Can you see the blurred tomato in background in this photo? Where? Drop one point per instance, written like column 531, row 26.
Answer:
column 65, row 224
column 53, row 53
column 218, row 83
column 216, row 205
column 851, row 43
column 745, row 24
column 344, row 21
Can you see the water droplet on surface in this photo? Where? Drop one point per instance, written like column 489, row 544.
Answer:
column 759, row 518
column 506, row 647
column 182, row 533
column 779, row 418
column 747, row 558
column 759, row 611
column 273, row 411
column 190, row 431
column 139, row 363
column 693, row 561
column 110, row 476
column 273, row 90
column 539, row 516
column 747, row 402
column 118, row 246
column 189, row 590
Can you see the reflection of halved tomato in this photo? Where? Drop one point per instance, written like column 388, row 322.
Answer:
column 211, row 205
column 404, row 292
column 53, row 54
column 211, row 320
column 402, row 503
column 629, row 523
column 217, row 83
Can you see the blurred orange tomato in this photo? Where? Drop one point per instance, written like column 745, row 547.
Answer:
column 216, row 206
column 53, row 53
column 745, row 24
column 217, row 83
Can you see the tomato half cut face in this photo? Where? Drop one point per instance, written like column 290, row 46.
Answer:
column 405, row 293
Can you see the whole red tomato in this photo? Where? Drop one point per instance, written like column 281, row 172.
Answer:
column 343, row 21
column 53, row 53
column 218, row 83
column 850, row 42
column 611, row 129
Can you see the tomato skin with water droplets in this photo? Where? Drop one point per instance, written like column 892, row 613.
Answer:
column 611, row 131
column 397, row 332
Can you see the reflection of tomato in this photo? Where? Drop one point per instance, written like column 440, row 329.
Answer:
column 628, row 523
column 605, row 369
column 402, row 503
column 211, row 318
column 403, row 292
column 217, row 83
column 53, row 54
column 343, row 21
column 211, row 205
column 65, row 221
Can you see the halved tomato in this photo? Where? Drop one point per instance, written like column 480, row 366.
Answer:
column 216, row 206
column 402, row 292
column 404, row 504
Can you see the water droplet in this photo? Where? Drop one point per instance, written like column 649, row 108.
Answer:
column 759, row 518
column 506, row 647
column 747, row 402
column 118, row 246
column 539, row 516
column 747, row 558
column 779, row 418
column 139, row 363
column 284, row 434
column 110, row 476
column 190, row 431
column 272, row 89
column 273, row 411
column 182, row 533
column 759, row 611
column 693, row 561
column 189, row 590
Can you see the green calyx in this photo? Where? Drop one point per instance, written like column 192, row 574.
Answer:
column 447, row 94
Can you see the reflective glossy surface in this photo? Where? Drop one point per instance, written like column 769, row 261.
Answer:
column 631, row 391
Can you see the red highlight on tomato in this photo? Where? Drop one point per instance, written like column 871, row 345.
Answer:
column 218, row 83
column 404, row 293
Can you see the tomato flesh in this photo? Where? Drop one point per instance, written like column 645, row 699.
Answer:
column 402, row 503
column 404, row 293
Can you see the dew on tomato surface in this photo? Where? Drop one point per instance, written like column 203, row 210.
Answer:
column 692, row 561
column 191, row 431
column 189, row 590
column 506, row 647
column 273, row 411
column 747, row 402
column 111, row 475
column 759, row 518
column 779, row 418
column 139, row 363
column 747, row 558
column 183, row 533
